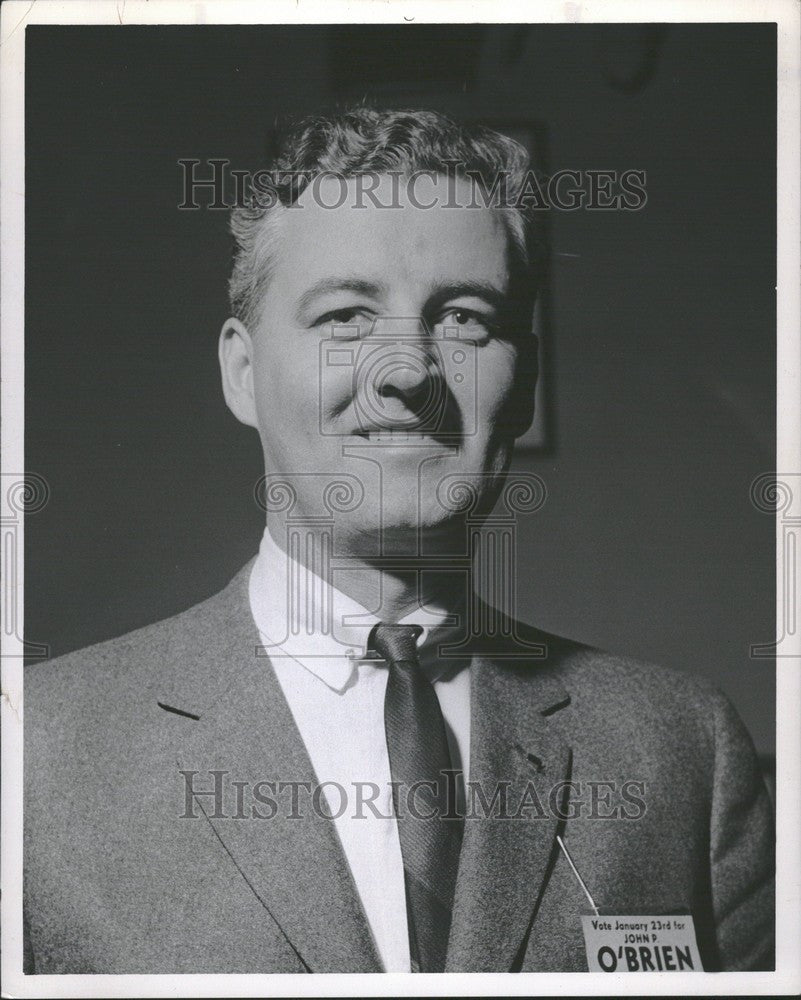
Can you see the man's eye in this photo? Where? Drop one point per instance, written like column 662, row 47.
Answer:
column 347, row 316
column 466, row 322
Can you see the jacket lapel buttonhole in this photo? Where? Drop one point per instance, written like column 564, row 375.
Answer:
column 536, row 762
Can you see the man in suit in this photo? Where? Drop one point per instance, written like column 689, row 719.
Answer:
column 345, row 761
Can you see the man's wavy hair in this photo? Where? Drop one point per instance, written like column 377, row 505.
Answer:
column 365, row 140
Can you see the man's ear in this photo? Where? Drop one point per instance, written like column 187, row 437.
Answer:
column 236, row 367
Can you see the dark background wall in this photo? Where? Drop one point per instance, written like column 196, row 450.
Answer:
column 661, row 341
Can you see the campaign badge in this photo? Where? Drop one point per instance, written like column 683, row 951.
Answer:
column 641, row 944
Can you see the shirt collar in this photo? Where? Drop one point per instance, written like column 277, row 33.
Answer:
column 323, row 629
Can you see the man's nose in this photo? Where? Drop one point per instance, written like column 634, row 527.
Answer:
column 402, row 379
column 408, row 364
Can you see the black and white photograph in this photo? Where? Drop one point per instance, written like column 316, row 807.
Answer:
column 401, row 488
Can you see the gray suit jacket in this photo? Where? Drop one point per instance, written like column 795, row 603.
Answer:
column 118, row 879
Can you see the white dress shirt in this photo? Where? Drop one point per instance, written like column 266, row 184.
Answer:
column 337, row 700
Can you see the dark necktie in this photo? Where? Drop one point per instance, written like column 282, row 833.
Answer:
column 430, row 832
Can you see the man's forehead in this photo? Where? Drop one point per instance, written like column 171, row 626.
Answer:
column 397, row 232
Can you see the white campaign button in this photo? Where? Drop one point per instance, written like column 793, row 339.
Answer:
column 641, row 944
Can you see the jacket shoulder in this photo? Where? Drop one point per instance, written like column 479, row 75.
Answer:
column 108, row 678
column 623, row 694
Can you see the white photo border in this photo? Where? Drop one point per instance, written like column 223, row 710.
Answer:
column 15, row 16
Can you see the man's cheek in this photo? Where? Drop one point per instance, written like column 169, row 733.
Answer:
column 496, row 399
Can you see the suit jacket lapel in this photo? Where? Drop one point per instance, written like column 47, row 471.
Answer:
column 505, row 861
column 294, row 865
column 239, row 723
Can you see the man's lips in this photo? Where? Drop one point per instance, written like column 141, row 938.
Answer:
column 402, row 434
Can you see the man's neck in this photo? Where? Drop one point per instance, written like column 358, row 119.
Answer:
column 390, row 592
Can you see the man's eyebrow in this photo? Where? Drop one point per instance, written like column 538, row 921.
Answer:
column 446, row 290
column 361, row 286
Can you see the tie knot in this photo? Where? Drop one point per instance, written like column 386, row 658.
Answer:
column 395, row 643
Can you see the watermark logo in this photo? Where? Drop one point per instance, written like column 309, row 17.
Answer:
column 214, row 184
column 23, row 494
column 779, row 494
column 220, row 795
column 485, row 560
column 440, row 364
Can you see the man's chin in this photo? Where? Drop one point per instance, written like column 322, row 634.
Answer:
column 411, row 535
